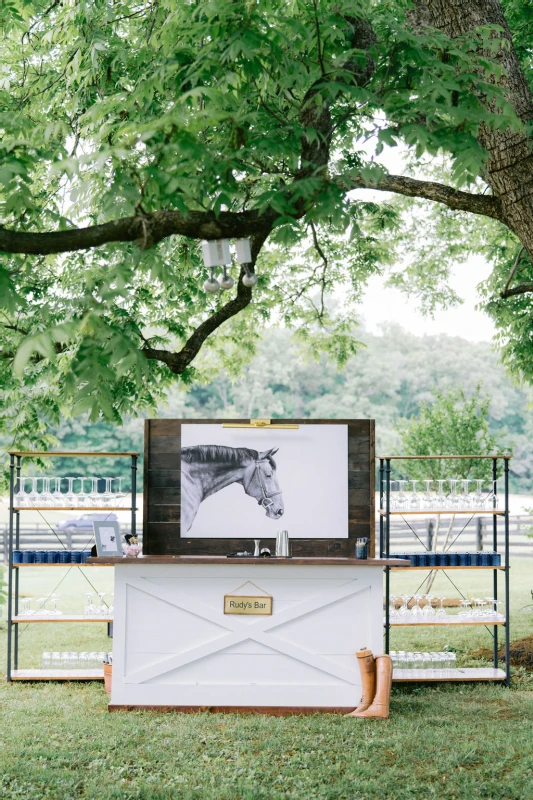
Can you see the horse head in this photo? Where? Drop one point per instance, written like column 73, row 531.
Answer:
column 260, row 481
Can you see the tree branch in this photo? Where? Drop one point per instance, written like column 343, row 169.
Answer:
column 521, row 288
column 177, row 362
column 486, row 205
column 146, row 229
column 505, row 292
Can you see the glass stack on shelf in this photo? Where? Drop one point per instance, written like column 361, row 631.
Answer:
column 438, row 498
column 49, row 494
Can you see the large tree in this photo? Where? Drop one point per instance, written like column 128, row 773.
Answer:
column 133, row 130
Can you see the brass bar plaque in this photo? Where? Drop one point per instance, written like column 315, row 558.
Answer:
column 239, row 604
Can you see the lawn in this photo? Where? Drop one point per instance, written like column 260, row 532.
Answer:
column 460, row 741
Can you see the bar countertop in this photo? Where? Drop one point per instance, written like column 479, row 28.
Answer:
column 307, row 561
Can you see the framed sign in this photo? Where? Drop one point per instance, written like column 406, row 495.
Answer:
column 212, row 486
column 107, row 537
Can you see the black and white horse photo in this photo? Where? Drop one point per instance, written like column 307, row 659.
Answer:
column 208, row 468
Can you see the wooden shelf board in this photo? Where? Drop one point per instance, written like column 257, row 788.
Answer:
column 429, row 513
column 73, row 508
column 60, row 618
column 433, row 458
column 429, row 569
column 16, row 566
column 466, row 674
column 489, row 622
column 68, row 453
column 57, row 675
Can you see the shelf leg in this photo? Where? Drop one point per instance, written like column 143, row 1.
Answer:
column 17, row 575
column 507, row 607
column 495, row 575
column 10, row 565
column 133, row 495
column 387, row 553
column 380, row 495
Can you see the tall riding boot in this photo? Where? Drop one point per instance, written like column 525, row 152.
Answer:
column 367, row 668
column 380, row 707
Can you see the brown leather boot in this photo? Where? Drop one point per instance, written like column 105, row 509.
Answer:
column 380, row 707
column 367, row 668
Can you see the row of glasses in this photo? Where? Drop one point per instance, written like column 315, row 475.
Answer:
column 49, row 494
column 439, row 663
column 42, row 610
column 458, row 498
column 481, row 608
column 424, row 612
column 101, row 609
column 69, row 660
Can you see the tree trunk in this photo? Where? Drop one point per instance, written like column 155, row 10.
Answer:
column 509, row 170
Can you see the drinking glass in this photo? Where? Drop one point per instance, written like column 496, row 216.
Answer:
column 94, row 496
column 108, row 496
column 441, row 499
column 22, row 497
column 65, row 660
column 54, row 599
column 46, row 498
column 441, row 613
column 427, row 498
column 466, row 613
column 46, row 661
column 59, row 499
column 72, row 660
column 119, row 494
column 42, row 611
column 401, row 497
column 404, row 608
column 414, row 500
column 84, row 661
column 393, row 611
column 453, row 498
column 416, row 611
column 94, row 660
column 102, row 608
column 56, row 660
column 428, row 610
column 71, row 498
column 90, row 608
column 27, row 610
column 112, row 606
column 466, row 500
column 33, row 497
column 478, row 500
column 83, row 499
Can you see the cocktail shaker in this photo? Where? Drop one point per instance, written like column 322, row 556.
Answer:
column 282, row 544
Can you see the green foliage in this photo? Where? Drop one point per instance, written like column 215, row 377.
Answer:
column 109, row 110
column 454, row 424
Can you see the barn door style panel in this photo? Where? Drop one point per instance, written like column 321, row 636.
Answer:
column 162, row 494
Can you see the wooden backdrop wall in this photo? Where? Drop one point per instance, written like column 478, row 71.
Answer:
column 162, row 478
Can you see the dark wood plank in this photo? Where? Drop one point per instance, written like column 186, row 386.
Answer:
column 304, row 561
column 273, row 711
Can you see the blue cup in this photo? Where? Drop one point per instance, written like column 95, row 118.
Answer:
column 63, row 557
column 75, row 557
column 443, row 560
column 453, row 559
column 414, row 559
column 84, row 556
column 28, row 556
column 40, row 556
column 433, row 559
column 422, row 559
column 496, row 559
column 51, row 557
column 464, row 559
column 17, row 556
column 475, row 559
column 485, row 559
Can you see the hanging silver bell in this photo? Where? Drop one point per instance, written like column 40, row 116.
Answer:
column 227, row 281
column 249, row 278
column 211, row 285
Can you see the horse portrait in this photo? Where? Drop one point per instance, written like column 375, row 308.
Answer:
column 207, row 469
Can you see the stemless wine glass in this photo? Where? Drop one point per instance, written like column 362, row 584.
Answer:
column 56, row 659
column 57, row 494
column 71, row 498
column 22, row 497
column 83, row 499
column 414, row 500
column 46, row 660
column 427, row 497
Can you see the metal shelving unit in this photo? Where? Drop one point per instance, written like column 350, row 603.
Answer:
column 385, row 513
column 13, row 618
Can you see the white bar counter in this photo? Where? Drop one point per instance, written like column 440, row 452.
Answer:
column 174, row 647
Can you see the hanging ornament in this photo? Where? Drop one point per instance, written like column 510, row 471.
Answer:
column 249, row 278
column 227, row 281
column 211, row 285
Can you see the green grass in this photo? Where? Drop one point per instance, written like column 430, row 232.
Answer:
column 58, row 741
